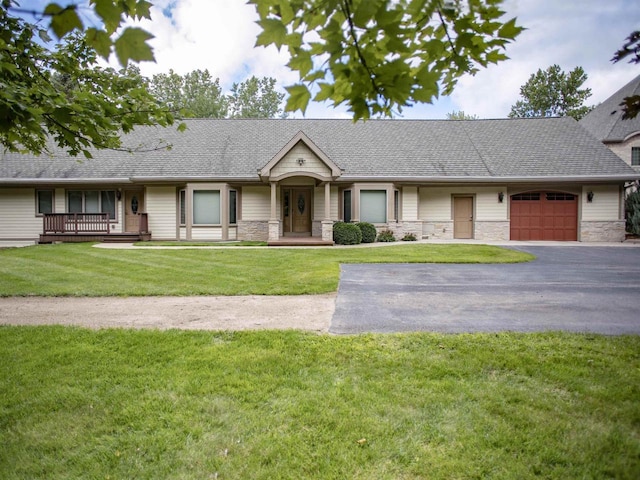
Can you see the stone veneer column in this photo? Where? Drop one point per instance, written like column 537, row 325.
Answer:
column 327, row 230
column 274, row 230
column 274, row 223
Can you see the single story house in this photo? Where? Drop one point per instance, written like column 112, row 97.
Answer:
column 605, row 122
column 272, row 180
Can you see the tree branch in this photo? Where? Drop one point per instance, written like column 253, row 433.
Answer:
column 347, row 12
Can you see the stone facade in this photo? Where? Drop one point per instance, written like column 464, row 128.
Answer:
column 491, row 231
column 613, row 231
column 440, row 230
column 253, row 230
column 400, row 229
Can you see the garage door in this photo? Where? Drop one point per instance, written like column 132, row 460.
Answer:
column 544, row 216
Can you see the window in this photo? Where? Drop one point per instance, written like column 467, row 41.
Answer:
column 560, row 196
column 346, row 207
column 44, row 202
column 526, row 197
column 396, row 204
column 635, row 156
column 92, row 201
column 373, row 206
column 183, row 207
column 233, row 206
column 206, row 207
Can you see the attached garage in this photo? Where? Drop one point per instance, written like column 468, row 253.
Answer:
column 544, row 216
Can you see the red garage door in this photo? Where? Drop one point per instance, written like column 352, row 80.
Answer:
column 544, row 216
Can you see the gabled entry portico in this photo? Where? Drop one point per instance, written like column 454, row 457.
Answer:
column 294, row 175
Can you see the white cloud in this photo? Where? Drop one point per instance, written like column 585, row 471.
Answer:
column 567, row 33
column 219, row 35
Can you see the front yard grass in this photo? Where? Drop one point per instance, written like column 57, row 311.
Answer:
column 81, row 270
column 78, row 403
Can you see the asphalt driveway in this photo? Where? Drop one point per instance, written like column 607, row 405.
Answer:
column 573, row 288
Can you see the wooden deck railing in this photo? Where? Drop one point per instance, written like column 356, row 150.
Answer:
column 75, row 223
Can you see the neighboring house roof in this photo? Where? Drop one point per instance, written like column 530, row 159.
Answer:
column 605, row 121
column 446, row 150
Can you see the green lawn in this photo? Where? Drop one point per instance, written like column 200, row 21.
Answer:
column 77, row 403
column 81, row 270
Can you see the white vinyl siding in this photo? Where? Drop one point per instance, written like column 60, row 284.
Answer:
column 605, row 205
column 206, row 234
column 409, row 203
column 290, row 162
column 161, row 209
column 18, row 214
column 436, row 203
column 256, row 203
column 373, row 206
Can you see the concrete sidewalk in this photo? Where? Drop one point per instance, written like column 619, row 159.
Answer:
column 254, row 312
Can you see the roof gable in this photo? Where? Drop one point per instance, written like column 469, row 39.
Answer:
column 605, row 121
column 309, row 159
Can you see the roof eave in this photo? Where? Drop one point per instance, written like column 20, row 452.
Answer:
column 64, row 181
column 494, row 180
column 195, row 178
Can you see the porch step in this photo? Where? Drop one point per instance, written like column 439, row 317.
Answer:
column 126, row 237
column 300, row 242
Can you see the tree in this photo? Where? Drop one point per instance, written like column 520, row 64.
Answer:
column 632, row 212
column 196, row 94
column 255, row 98
column 553, row 93
column 631, row 47
column 460, row 115
column 379, row 56
column 59, row 92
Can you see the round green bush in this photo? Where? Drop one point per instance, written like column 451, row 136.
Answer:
column 346, row 233
column 368, row 232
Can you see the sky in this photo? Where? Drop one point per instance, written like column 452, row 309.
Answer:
column 219, row 35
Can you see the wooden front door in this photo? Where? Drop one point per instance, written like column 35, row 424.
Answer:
column 462, row 217
column 133, row 207
column 297, row 211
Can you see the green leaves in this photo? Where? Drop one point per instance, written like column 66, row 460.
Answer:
column 132, row 45
column 377, row 56
column 553, row 93
column 63, row 20
column 299, row 96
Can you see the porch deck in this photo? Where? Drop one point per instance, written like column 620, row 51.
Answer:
column 87, row 227
column 94, row 237
column 300, row 242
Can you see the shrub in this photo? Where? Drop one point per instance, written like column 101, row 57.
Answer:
column 346, row 233
column 632, row 212
column 386, row 236
column 409, row 237
column 368, row 232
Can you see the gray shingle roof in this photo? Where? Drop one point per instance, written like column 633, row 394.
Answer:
column 605, row 121
column 546, row 147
